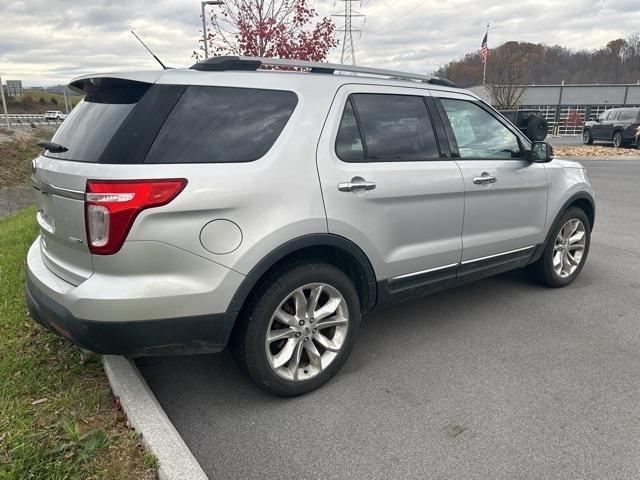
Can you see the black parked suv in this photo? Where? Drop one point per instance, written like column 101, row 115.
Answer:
column 616, row 125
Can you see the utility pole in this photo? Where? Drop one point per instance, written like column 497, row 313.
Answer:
column 204, row 24
column 348, row 50
column 64, row 95
column 4, row 105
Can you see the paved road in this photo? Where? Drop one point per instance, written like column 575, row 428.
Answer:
column 565, row 140
column 499, row 379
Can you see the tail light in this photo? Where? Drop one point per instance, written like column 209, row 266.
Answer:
column 111, row 206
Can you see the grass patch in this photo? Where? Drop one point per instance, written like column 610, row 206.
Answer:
column 16, row 155
column 58, row 419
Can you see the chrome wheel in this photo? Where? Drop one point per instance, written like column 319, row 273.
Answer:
column 307, row 331
column 586, row 137
column 569, row 248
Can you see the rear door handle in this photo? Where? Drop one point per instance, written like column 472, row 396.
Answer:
column 354, row 186
column 485, row 179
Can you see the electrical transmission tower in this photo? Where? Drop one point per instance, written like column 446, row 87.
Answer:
column 348, row 51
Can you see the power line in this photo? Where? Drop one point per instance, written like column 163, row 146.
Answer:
column 384, row 27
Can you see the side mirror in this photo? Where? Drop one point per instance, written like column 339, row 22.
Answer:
column 541, row 152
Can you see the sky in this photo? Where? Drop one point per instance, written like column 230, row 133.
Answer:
column 46, row 42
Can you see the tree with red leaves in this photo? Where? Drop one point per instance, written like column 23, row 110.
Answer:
column 574, row 119
column 269, row 28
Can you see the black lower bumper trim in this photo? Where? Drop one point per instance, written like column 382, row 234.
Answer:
column 183, row 335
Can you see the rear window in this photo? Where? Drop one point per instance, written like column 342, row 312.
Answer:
column 631, row 115
column 222, row 125
column 385, row 128
column 93, row 122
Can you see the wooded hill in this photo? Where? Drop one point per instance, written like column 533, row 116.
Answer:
column 617, row 62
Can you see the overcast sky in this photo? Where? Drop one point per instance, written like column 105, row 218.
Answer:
column 44, row 42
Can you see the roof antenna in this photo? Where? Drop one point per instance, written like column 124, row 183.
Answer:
column 148, row 50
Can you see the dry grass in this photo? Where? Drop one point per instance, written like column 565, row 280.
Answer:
column 17, row 148
column 595, row 151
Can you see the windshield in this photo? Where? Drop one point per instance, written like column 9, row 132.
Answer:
column 93, row 122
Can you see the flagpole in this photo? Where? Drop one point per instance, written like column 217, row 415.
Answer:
column 484, row 71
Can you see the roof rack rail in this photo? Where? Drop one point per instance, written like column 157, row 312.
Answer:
column 227, row 63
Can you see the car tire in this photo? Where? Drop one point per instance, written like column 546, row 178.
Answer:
column 587, row 139
column 560, row 263
column 299, row 356
column 617, row 139
column 537, row 129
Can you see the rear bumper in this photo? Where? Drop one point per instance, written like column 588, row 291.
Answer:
column 196, row 334
column 179, row 305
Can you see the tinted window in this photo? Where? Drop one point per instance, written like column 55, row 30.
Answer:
column 222, row 124
column 93, row 122
column 479, row 134
column 629, row 115
column 394, row 127
column 349, row 143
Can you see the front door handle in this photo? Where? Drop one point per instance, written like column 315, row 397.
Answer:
column 355, row 186
column 485, row 179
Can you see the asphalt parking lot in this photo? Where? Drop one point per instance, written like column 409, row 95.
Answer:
column 565, row 140
column 497, row 379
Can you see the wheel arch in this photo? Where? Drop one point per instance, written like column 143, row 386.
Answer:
column 581, row 200
column 334, row 249
column 617, row 130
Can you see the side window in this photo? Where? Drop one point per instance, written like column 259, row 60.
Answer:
column 603, row 116
column 386, row 128
column 614, row 115
column 349, row 143
column 222, row 125
column 628, row 115
column 479, row 134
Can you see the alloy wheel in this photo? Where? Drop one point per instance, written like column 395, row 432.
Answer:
column 307, row 331
column 569, row 248
column 617, row 140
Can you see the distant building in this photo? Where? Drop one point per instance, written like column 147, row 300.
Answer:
column 13, row 88
column 567, row 107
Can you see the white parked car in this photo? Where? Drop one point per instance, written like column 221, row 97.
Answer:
column 54, row 115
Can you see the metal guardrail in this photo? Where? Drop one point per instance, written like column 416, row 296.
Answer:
column 26, row 119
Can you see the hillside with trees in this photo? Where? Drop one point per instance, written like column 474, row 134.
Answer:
column 529, row 63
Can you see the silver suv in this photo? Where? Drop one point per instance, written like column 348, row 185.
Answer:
column 269, row 209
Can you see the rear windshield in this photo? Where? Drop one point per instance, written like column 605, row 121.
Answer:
column 93, row 122
column 132, row 122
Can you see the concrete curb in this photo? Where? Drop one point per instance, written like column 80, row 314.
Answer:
column 147, row 417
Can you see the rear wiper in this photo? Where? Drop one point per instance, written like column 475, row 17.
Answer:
column 52, row 146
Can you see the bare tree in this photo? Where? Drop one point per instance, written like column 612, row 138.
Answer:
column 505, row 78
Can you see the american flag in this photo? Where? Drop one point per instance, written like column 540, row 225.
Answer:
column 484, row 49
